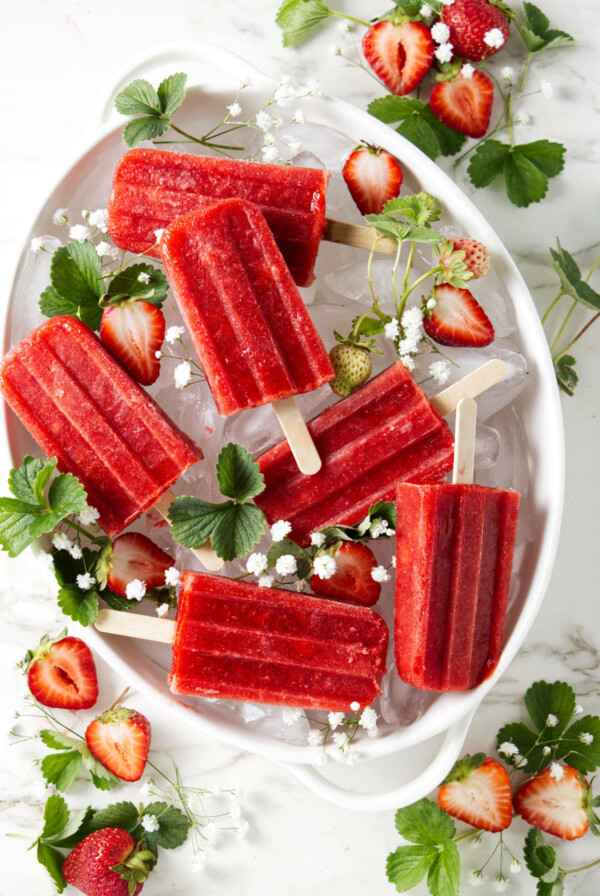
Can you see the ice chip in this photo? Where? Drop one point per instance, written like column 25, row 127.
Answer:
column 400, row 703
column 488, row 446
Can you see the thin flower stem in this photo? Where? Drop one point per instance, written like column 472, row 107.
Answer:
column 203, row 142
column 408, row 267
column 95, row 539
column 552, row 305
column 524, row 72
column 579, row 335
column 341, row 15
column 420, row 280
column 581, row 868
column 562, row 328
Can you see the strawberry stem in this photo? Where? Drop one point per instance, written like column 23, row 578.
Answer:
column 525, row 70
column 581, row 867
column 579, row 335
column 341, row 15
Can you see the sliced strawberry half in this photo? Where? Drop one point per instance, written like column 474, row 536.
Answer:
column 133, row 333
column 352, row 581
column 61, row 673
column 135, row 556
column 399, row 54
column 464, row 104
column 457, row 318
column 120, row 740
column 478, row 792
column 557, row 805
column 373, row 177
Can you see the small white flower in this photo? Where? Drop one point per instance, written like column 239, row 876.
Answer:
column 79, row 233
column 426, row 11
column 508, row 748
column 298, row 117
column 286, row 565
column 467, row 71
column 476, row 878
column 280, row 529
column 61, row 542
column 408, row 362
column 314, row 87
column 321, row 758
column 263, row 120
column 380, row 574
column 578, row 709
column 440, row 33
column 344, row 27
column 324, row 567
column 301, row 585
column 235, row 813
column 162, row 610
column 268, row 140
column 266, row 582
column 290, row 715
column 244, row 82
column 257, row 563
column 294, row 146
column 556, row 771
column 515, row 867
column 551, row 721
column 85, row 581
column 173, row 334
column 350, row 756
column 115, row 253
column 546, row 89
column 340, row 739
column 335, row 719
column 334, row 50
column 150, row 823
column 99, row 218
column 508, row 73
column 75, row 552
column 447, row 2
column 103, row 249
column 431, row 303
column 242, row 828
column 368, row 719
column 315, row 737
column 158, row 354
column 524, row 118
column 501, row 884
column 183, row 373
column 546, row 751
column 270, row 154
column 394, row 561
column 494, row 38
column 392, row 329
column 586, row 738
column 443, row 52
column 235, row 110
column 135, row 589
column 144, row 277
column 318, row 539
column 37, row 244
column 379, row 527
column 412, row 318
column 284, row 94
column 60, row 216
column 172, row 576
column 212, row 832
column 148, row 788
column 85, row 214
column 355, row 706
column 158, row 234
column 198, row 862
column 440, row 371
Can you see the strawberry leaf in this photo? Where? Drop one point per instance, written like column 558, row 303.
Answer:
column 425, row 823
column 530, row 755
column 138, row 98
column 72, row 834
column 541, row 859
column 487, row 162
column 444, row 875
column 525, row 168
column 60, row 769
column 56, row 816
column 550, row 706
column 449, row 140
column 57, row 741
column 118, row 815
column 127, row 285
column 193, row 520
column 566, row 375
column 419, row 209
column 419, row 124
column 238, row 473
column 419, row 132
column 21, row 481
column 173, row 826
column 81, row 606
column 171, row 93
column 52, row 860
column 76, row 273
column 536, row 32
column 408, row 865
column 52, row 304
column 287, row 546
column 391, row 109
column 146, row 128
column 556, row 888
column 571, row 281
column 574, row 748
column 297, row 17
column 238, row 529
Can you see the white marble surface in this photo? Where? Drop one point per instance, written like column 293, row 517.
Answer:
column 57, row 59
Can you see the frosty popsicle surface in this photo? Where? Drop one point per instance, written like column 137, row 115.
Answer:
column 82, row 408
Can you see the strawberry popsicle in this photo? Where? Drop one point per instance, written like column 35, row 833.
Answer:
column 237, row 641
column 82, row 408
column 152, row 187
column 455, row 546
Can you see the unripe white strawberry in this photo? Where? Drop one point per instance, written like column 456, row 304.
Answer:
column 352, row 366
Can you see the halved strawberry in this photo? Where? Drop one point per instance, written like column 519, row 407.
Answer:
column 399, row 54
column 373, row 176
column 478, row 792
column 559, row 806
column 135, row 556
column 457, row 318
column 352, row 581
column 120, row 740
column 61, row 673
column 470, row 23
column 464, row 104
column 477, row 257
column 133, row 332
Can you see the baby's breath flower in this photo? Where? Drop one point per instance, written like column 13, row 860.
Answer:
column 321, row 758
column 334, row 50
column 294, row 146
column 324, row 567
column 314, row 87
column 242, row 828
column 440, row 371
column 368, row 719
column 266, row 582
column 172, row 576
column 426, row 11
column 75, row 552
column 99, row 218
column 507, row 73
column 263, row 120
column 578, row 709
column 551, row 721
column 410, row 343
column 546, row 89
column 524, row 118
column 440, row 33
column 284, row 94
column 270, row 154
column 355, row 706
column 244, row 82
column 158, row 354
column 286, row 565
column 158, row 234
column 280, row 529
column 339, row 738
column 183, row 373
column 318, row 539
column 61, row 542
column 85, row 581
column 135, row 590
column 79, row 233
column 508, row 748
column 431, row 303
column 301, row 585
column 298, row 117
column 235, row 110
column 546, row 751
column 350, row 755
column 586, row 738
column 144, row 277
column 150, row 823
column 257, row 563
column 380, row 574
column 408, row 362
column 315, row 737
column 115, row 253
column 556, row 771
column 344, row 26
column 391, row 329
column 290, row 715
column 515, row 867
column 379, row 527
column 494, row 38
column 103, row 249
column 37, row 244
column 198, row 862
column 148, row 788
column 476, row 878
column 335, row 719
column 443, row 52
column 501, row 884
column 173, row 334
column 60, row 216
column 467, row 71
column 412, row 318
column 394, row 561
column 162, row 610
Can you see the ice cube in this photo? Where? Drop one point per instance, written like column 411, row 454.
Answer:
column 400, row 703
column 488, row 446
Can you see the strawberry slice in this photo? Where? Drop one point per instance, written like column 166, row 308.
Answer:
column 477, row 791
column 61, row 673
column 373, row 176
column 399, row 54
column 464, row 104
column 135, row 556
column 352, row 581
column 120, row 740
column 457, row 318
column 557, row 805
column 133, row 332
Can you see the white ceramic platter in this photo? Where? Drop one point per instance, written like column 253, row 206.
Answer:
column 86, row 184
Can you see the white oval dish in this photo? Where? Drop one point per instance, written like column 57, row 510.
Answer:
column 538, row 409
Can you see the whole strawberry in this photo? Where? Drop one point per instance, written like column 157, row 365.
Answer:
column 477, row 257
column 108, row 863
column 478, row 29
column 352, row 365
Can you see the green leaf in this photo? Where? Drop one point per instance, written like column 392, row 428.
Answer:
column 463, row 767
column 74, row 832
column 425, row 235
column 408, row 865
column 541, row 859
column 369, row 326
column 238, row 529
column 117, row 601
column 127, row 285
column 40, row 483
column 391, row 109
column 21, row 481
column 525, row 171
column 14, row 531
column 52, row 860
column 566, row 375
column 547, row 156
column 537, row 34
column 76, row 273
column 297, row 17
column 574, row 751
column 388, row 227
column 60, row 769
column 171, row 93
column 173, row 826
column 81, row 606
column 102, row 783
column 118, row 815
column 524, row 739
column 146, row 128
column 487, row 162
column 287, row 546
column 56, row 816
column 102, row 778
column 238, row 473
column 417, row 130
column 570, row 279
column 384, row 510
column 138, row 98
column 556, row 888
column 449, row 140
column 444, row 875
column 543, row 700
column 57, row 741
column 52, row 304
column 425, row 823
column 419, row 209
column 193, row 520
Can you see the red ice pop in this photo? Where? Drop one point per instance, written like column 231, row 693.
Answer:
column 455, row 546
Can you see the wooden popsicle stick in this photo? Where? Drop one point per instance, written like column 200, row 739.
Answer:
column 297, row 434
column 147, row 628
column 205, row 554
column 470, row 386
column 464, row 441
column 358, row 236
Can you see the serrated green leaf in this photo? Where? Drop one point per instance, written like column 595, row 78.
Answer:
column 193, row 520
column 574, row 751
column 52, row 304
column 287, row 546
column 57, row 741
column 173, row 825
column 127, row 285
column 77, row 828
column 238, row 473
column 524, row 181
column 544, row 700
column 418, row 131
column 237, row 530
column 138, row 98
column 537, row 34
column 101, row 776
column 487, row 162
column 384, row 510
column 52, row 860
column 76, row 273
column 16, row 506
column 81, row 606
column 425, row 823
column 524, row 739
column 101, row 783
column 535, row 18
column 566, row 375
column 556, row 888
column 408, row 865
column 146, row 128
column 118, row 815
column 419, row 209
column 40, row 483
column 60, row 769
column 171, row 93
column 21, row 481
column 117, row 601
column 444, row 875
column 388, row 227
column 449, row 140
column 66, row 495
column 570, row 279
column 540, row 857
column 391, row 109
column 425, row 235
column 56, row 816
column 297, row 17
column 14, row 532
column 369, row 326
column 545, row 155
